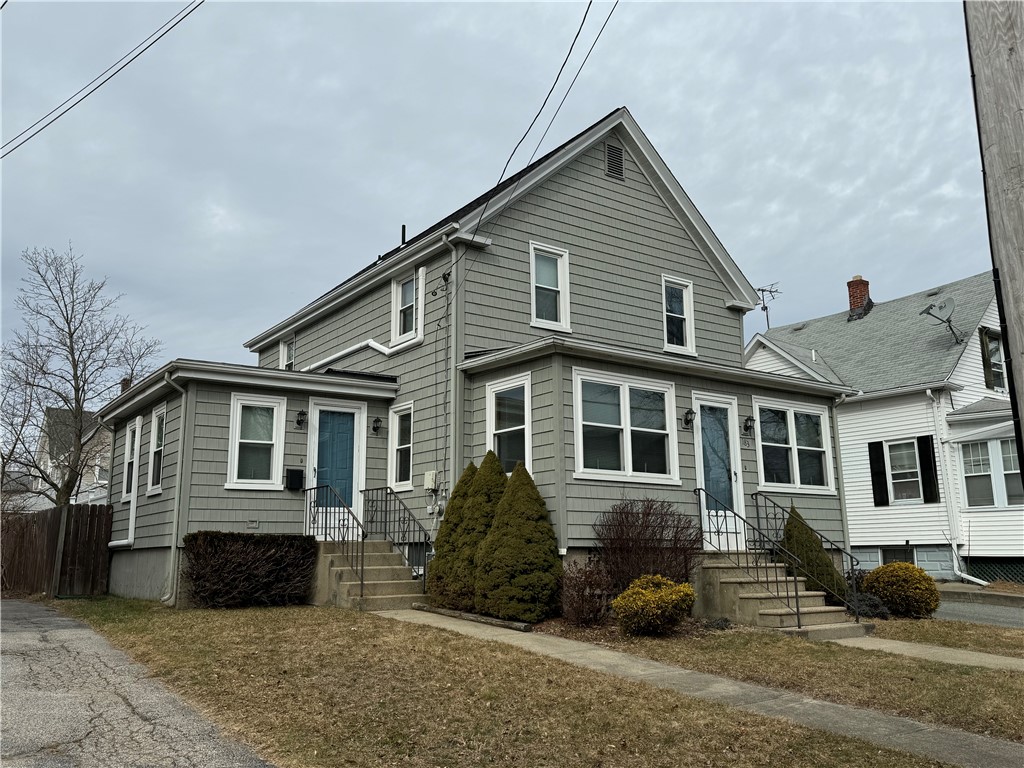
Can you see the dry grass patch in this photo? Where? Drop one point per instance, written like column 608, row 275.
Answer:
column 955, row 634
column 326, row 687
column 973, row 699
column 1010, row 587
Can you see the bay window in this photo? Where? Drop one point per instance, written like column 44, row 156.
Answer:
column 508, row 421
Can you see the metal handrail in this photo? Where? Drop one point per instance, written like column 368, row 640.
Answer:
column 385, row 514
column 331, row 519
column 776, row 516
column 753, row 542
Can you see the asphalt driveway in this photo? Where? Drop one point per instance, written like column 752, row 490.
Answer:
column 70, row 700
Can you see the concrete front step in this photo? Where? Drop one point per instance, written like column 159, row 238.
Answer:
column 369, row 546
column 372, row 573
column 382, row 602
column 807, row 599
column 779, row 618
column 381, row 588
column 839, row 631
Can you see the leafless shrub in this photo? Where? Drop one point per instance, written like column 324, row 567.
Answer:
column 586, row 593
column 639, row 537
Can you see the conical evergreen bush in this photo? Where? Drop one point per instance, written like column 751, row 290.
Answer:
column 477, row 514
column 439, row 572
column 815, row 564
column 517, row 565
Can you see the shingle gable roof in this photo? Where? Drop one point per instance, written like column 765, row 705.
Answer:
column 893, row 345
column 985, row 405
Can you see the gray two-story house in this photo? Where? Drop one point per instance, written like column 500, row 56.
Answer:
column 581, row 317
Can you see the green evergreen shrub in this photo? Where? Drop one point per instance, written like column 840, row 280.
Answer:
column 517, row 564
column 815, row 564
column 905, row 589
column 653, row 605
column 439, row 572
column 477, row 514
column 235, row 570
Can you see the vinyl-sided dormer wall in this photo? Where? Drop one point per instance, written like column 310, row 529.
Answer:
column 970, row 372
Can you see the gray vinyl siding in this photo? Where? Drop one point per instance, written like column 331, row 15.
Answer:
column 621, row 237
column 270, row 356
column 586, row 500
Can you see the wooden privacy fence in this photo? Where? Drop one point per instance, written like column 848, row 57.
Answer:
column 61, row 551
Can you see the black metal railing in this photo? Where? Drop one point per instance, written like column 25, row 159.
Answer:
column 749, row 548
column 385, row 514
column 772, row 518
column 331, row 519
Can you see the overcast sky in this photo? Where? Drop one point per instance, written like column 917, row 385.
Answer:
column 260, row 153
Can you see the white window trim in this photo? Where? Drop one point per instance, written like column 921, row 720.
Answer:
column 282, row 355
column 996, row 467
column 397, row 337
column 393, row 414
column 160, row 410
column 128, row 494
column 893, row 501
column 690, row 348
column 624, row 383
column 280, row 406
column 563, row 287
column 826, row 438
column 524, row 380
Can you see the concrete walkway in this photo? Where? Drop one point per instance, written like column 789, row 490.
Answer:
column 945, row 745
column 70, row 700
column 934, row 653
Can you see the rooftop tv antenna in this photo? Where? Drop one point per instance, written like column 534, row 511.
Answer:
column 943, row 312
column 768, row 293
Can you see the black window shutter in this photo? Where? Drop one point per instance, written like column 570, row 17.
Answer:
column 879, row 482
column 929, row 473
column 986, row 361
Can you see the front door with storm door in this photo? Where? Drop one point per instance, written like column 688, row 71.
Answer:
column 336, row 431
column 718, row 472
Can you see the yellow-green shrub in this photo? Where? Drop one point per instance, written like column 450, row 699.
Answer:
column 652, row 605
column 905, row 589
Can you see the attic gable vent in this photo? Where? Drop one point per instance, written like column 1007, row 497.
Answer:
column 613, row 161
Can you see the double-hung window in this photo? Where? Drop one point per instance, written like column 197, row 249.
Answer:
column 992, row 474
column 403, row 309
column 677, row 308
column 794, row 450
column 904, row 471
column 549, row 287
column 992, row 358
column 625, row 428
column 131, row 459
column 287, row 355
column 156, row 448
column 400, row 447
column 256, row 447
column 508, row 421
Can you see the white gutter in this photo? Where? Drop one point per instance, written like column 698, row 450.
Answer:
column 421, row 277
column 172, row 569
column 914, row 388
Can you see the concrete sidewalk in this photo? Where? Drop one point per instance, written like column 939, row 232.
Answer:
column 934, row 653
column 946, row 745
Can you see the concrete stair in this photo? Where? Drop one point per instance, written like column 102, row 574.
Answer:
column 725, row 588
column 388, row 584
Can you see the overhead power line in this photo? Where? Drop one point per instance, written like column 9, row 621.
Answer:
column 97, row 82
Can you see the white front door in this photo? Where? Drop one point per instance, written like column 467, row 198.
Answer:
column 716, row 450
column 336, row 447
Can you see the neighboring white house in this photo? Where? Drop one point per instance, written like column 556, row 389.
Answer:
column 54, row 448
column 927, row 452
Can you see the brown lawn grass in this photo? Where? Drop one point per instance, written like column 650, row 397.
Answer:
column 984, row 701
column 327, row 687
column 955, row 634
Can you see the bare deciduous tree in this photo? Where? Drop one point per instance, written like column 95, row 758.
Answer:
column 68, row 358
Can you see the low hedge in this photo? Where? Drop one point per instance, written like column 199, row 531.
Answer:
column 905, row 589
column 653, row 605
column 235, row 570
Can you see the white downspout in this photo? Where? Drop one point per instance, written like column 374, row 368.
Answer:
column 954, row 528
column 172, row 569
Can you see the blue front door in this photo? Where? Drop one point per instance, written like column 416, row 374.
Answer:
column 335, row 455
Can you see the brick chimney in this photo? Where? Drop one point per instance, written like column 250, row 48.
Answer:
column 860, row 298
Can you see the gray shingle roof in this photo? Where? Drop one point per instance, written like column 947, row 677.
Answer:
column 894, row 345
column 985, row 405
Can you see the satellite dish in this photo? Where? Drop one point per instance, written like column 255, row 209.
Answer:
column 942, row 312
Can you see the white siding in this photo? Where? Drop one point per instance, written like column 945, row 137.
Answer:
column 770, row 361
column 889, row 419
column 969, row 372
